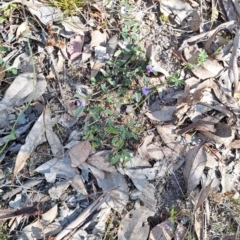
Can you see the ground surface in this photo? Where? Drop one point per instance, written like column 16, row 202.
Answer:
column 119, row 120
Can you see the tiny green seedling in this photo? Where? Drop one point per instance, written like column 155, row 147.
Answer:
column 172, row 214
column 175, row 79
column 201, row 58
column 4, row 64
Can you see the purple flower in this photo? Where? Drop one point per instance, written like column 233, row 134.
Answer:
column 81, row 103
column 122, row 44
column 146, row 90
column 123, row 10
column 149, row 68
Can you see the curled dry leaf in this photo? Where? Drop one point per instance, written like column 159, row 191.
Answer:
column 57, row 168
column 79, row 153
column 52, row 138
column 203, row 195
column 74, row 47
column 167, row 133
column 223, row 134
column 164, row 115
column 35, row 137
column 194, row 165
column 23, row 27
column 24, row 88
column 45, row 13
column 199, row 125
column 163, row 231
column 142, row 149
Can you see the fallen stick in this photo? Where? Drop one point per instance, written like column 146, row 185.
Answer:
column 83, row 216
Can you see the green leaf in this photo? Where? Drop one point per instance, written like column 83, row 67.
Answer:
column 138, row 96
column 109, row 112
column 14, row 71
column 114, row 158
column 117, row 53
column 112, row 130
column 79, row 111
column 3, row 49
column 112, row 82
column 104, row 88
column 93, row 80
column 104, row 73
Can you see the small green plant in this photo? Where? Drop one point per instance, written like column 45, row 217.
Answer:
column 175, row 79
column 4, row 64
column 201, row 58
column 68, row 6
column 172, row 214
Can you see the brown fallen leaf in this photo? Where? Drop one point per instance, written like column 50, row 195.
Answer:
column 223, row 134
column 78, row 184
column 203, row 195
column 133, row 224
column 163, row 231
column 235, row 144
column 100, row 161
column 199, row 125
column 167, row 133
column 52, row 138
column 195, row 162
column 98, row 38
column 35, row 137
column 142, row 149
column 79, row 153
column 164, row 115
column 22, row 88
column 74, row 47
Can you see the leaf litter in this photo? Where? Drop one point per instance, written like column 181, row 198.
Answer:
column 191, row 133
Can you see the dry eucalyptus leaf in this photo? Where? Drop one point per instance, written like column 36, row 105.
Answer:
column 194, row 165
column 163, row 115
column 133, row 224
column 35, row 137
column 163, row 231
column 32, row 231
column 178, row 8
column 23, row 27
column 57, row 190
column 57, row 168
column 51, row 214
column 74, row 24
column 223, row 134
column 52, row 138
column 74, row 47
column 78, row 184
column 117, row 186
column 203, row 195
column 79, row 153
column 142, row 149
column 98, row 38
column 199, row 125
column 22, row 89
column 167, row 133
column 45, row 13
column 155, row 152
column 99, row 160
column 23, row 62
